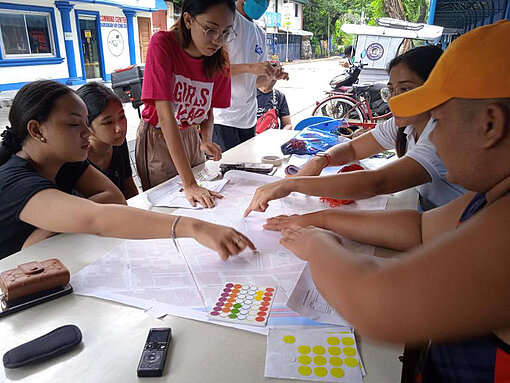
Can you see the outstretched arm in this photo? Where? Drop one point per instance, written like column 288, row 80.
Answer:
column 361, row 147
column 395, row 176
column 44, row 209
column 456, row 286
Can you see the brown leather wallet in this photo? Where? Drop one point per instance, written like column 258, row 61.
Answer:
column 33, row 277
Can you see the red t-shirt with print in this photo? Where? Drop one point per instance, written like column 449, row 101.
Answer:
column 172, row 75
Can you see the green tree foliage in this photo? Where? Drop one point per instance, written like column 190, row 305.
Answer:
column 317, row 12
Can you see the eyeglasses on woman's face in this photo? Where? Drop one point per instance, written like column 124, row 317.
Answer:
column 216, row 35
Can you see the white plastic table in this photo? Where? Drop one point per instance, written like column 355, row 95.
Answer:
column 114, row 334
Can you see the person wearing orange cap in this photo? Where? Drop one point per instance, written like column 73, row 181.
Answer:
column 451, row 287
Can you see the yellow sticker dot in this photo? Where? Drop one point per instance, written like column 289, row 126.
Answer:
column 319, row 350
column 349, row 351
column 333, row 341
column 334, row 350
column 304, row 359
column 337, row 372
column 351, row 362
column 348, row 341
column 320, row 371
column 289, row 339
column 320, row 360
column 335, row 361
column 257, row 298
column 305, row 370
column 304, row 349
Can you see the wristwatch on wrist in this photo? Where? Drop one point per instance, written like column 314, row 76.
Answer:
column 325, row 155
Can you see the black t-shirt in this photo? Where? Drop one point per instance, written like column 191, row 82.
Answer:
column 265, row 102
column 120, row 167
column 18, row 183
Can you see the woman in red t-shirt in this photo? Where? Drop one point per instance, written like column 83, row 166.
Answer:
column 187, row 73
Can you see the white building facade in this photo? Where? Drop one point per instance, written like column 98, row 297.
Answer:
column 72, row 41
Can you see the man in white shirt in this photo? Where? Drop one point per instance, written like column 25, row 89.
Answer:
column 249, row 69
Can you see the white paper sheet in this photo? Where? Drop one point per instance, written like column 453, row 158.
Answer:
column 306, row 300
column 171, row 194
column 321, row 355
column 153, row 275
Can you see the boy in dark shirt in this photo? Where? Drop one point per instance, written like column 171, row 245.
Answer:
column 270, row 98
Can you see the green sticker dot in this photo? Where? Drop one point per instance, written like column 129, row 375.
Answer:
column 235, row 311
column 319, row 350
column 349, row 351
column 348, row 341
column 304, row 359
column 304, row 349
column 337, row 372
column 289, row 339
column 351, row 362
column 335, row 361
column 333, row 341
column 305, row 370
column 238, row 305
column 320, row 371
column 232, row 316
column 320, row 360
column 334, row 350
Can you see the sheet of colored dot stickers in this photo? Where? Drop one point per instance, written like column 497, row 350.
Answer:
column 243, row 304
column 328, row 354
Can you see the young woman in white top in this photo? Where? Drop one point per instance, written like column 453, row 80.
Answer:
column 418, row 163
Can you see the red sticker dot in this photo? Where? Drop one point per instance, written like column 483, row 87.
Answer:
column 264, row 303
column 262, row 313
column 268, row 294
column 260, row 319
column 270, row 289
column 263, row 308
column 267, row 299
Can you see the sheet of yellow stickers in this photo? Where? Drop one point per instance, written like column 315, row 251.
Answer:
column 327, row 354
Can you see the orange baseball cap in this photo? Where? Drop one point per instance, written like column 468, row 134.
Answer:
column 476, row 66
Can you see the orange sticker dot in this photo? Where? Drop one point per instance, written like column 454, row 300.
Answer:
column 238, row 286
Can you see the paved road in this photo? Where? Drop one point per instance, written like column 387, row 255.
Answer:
column 308, row 81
